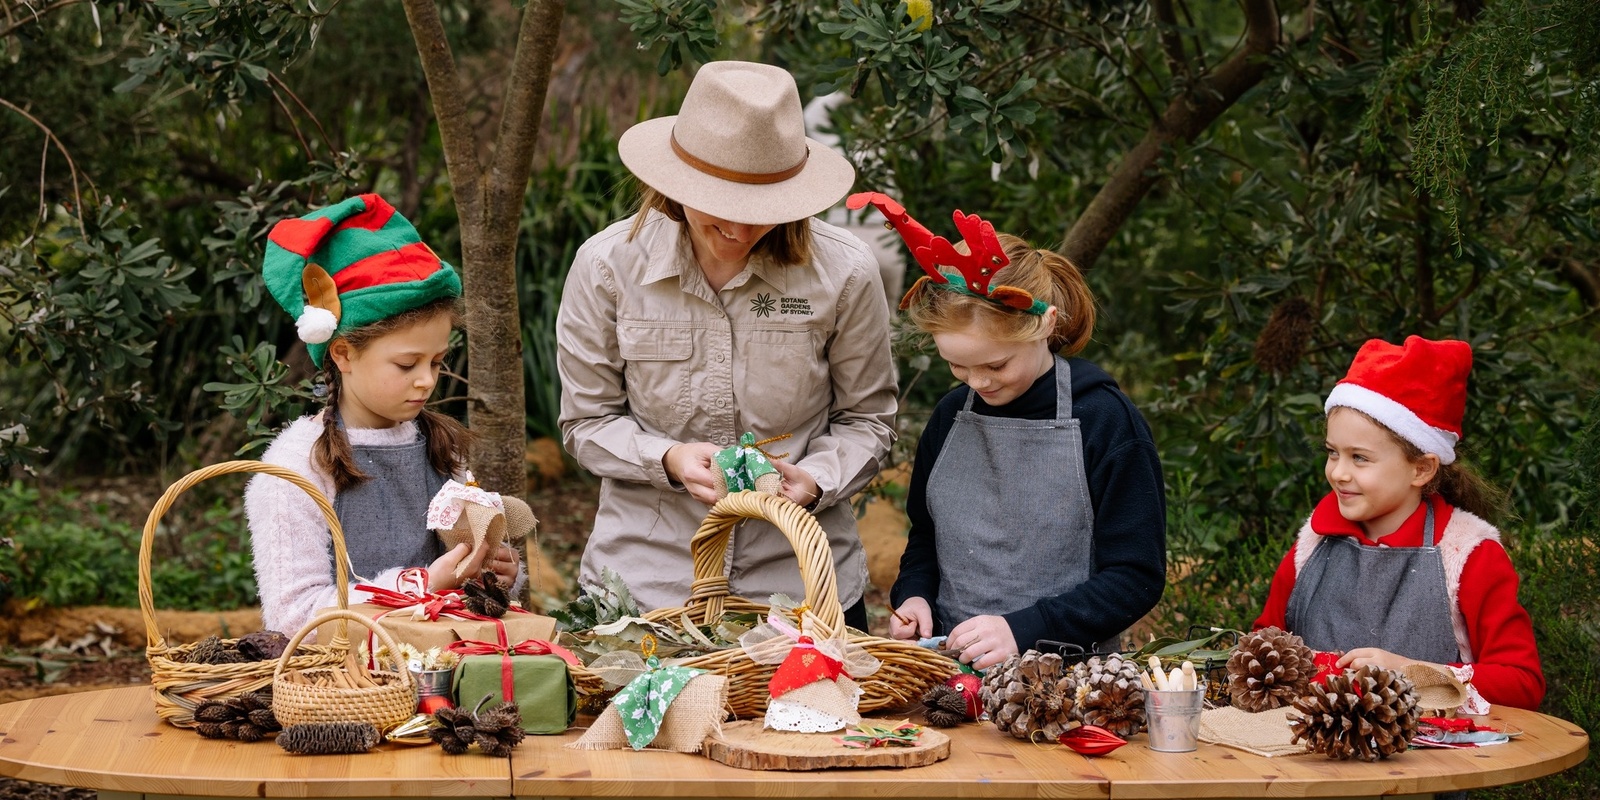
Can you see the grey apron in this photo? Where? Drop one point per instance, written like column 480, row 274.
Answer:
column 385, row 519
column 1010, row 505
column 1394, row 598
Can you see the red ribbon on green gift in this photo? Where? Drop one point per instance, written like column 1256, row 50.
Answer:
column 527, row 647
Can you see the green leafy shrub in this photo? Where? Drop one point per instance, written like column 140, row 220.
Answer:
column 62, row 551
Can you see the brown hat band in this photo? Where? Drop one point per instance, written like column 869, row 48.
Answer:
column 734, row 175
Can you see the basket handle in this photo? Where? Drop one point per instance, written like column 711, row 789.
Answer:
column 810, row 543
column 350, row 616
column 147, row 605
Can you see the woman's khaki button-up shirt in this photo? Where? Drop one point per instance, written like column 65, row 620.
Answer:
column 650, row 357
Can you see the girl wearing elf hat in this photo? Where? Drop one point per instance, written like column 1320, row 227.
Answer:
column 1397, row 564
column 721, row 307
column 375, row 308
column 1036, row 499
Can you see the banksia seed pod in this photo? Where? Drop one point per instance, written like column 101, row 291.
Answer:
column 1268, row 669
column 262, row 645
column 1111, row 695
column 328, row 738
column 1283, row 341
column 456, row 730
column 1366, row 714
column 499, row 729
column 945, row 707
column 485, row 596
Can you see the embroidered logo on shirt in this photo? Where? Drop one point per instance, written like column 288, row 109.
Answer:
column 762, row 304
column 795, row 305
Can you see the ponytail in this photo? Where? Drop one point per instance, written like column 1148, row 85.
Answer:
column 1464, row 488
column 449, row 442
column 332, row 451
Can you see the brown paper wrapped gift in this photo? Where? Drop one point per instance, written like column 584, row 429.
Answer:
column 424, row 634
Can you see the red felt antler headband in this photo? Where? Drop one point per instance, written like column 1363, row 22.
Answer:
column 974, row 269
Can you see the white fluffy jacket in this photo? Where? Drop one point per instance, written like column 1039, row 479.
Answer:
column 290, row 539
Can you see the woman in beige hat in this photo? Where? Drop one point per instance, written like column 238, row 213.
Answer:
column 722, row 307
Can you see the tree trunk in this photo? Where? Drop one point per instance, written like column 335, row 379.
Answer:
column 1185, row 117
column 489, row 204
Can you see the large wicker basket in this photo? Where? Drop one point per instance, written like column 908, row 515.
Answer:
column 392, row 702
column 180, row 686
column 907, row 671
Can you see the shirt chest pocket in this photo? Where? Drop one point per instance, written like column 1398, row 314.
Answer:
column 785, row 380
column 659, row 362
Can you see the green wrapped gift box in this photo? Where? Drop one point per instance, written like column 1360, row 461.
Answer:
column 540, row 686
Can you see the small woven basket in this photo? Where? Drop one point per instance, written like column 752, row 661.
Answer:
column 907, row 671
column 179, row 686
column 392, row 702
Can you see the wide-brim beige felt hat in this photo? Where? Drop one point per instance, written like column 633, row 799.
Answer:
column 737, row 149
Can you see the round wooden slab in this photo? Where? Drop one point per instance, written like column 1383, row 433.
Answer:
column 746, row 745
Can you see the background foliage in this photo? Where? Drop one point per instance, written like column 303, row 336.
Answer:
column 1399, row 167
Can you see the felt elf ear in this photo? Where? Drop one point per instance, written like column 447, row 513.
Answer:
column 320, row 317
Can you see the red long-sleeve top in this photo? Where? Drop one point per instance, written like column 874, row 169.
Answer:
column 1499, row 634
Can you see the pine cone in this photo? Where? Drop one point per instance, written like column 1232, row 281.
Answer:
column 262, row 645
column 499, row 729
column 486, row 596
column 456, row 730
column 1110, row 695
column 1029, row 693
column 210, row 730
column 1268, row 669
column 213, row 712
column 1368, row 714
column 328, row 738
column 944, row 707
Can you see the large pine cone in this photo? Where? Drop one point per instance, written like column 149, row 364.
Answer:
column 1029, row 693
column 1269, row 669
column 1368, row 714
column 1109, row 695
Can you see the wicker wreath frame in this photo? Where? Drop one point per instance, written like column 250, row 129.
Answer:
column 907, row 671
column 178, row 686
column 385, row 706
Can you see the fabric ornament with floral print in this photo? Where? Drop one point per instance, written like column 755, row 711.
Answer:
column 745, row 467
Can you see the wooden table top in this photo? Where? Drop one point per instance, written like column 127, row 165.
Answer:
column 111, row 740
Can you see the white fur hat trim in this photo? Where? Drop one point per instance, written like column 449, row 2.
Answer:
column 316, row 325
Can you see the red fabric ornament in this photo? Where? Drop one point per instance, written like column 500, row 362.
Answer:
column 1327, row 666
column 968, row 685
column 804, row 665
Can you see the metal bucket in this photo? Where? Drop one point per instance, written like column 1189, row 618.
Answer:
column 432, row 683
column 1174, row 719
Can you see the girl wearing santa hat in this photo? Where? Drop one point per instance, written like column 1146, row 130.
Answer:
column 1397, row 564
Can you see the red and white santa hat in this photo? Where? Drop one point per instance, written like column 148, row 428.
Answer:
column 1418, row 390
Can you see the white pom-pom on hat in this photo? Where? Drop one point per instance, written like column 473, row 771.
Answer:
column 316, row 325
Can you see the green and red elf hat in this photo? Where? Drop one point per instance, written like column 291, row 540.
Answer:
column 974, row 269
column 348, row 265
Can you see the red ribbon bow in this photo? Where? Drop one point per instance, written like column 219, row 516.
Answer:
column 527, row 647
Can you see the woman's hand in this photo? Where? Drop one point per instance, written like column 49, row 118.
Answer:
column 798, row 485
column 692, row 464
column 503, row 562
column 442, row 572
column 983, row 641
column 917, row 610
column 1364, row 656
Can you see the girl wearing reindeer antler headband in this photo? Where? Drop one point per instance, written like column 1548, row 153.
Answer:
column 1036, row 499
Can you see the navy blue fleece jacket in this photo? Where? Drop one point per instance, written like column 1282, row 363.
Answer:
column 1130, row 519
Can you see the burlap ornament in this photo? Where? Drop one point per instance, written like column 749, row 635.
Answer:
column 1437, row 689
column 481, row 528
column 697, row 713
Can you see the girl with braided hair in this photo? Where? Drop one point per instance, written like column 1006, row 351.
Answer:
column 375, row 307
